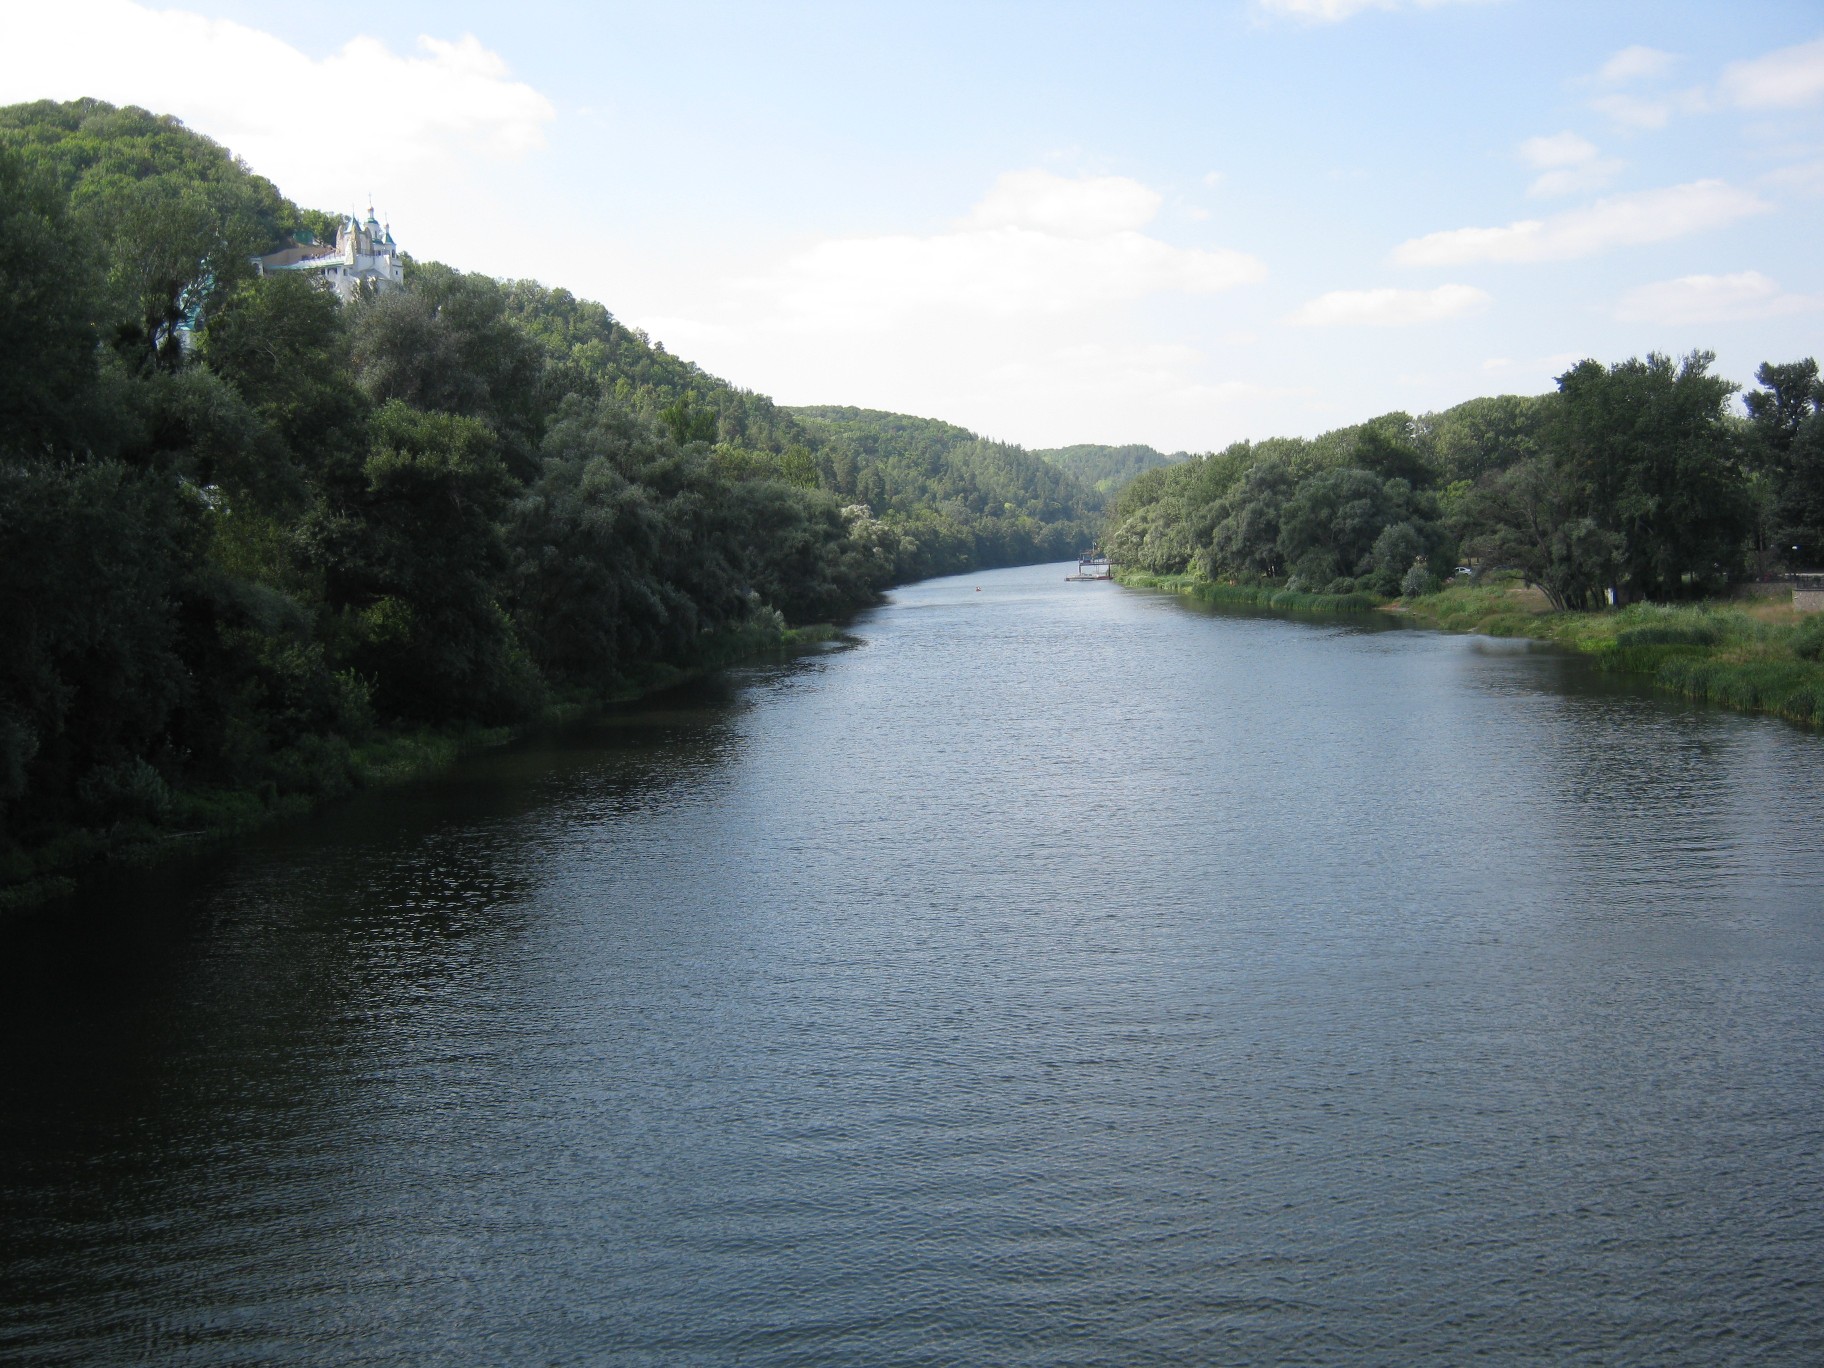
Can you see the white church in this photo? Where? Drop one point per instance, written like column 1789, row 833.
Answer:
column 365, row 256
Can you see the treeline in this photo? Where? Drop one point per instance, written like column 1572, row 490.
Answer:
column 1636, row 478
column 244, row 526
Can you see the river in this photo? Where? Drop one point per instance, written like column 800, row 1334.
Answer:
column 1049, row 973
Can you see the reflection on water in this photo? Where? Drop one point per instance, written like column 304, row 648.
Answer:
column 1055, row 974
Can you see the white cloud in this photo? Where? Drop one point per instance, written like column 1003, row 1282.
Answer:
column 1569, row 165
column 414, row 117
column 1384, row 308
column 1575, row 180
column 1641, row 112
column 1085, row 207
column 1213, row 179
column 1557, row 150
column 1032, row 316
column 1630, row 220
column 1335, row 11
column 1740, row 297
column 1807, row 178
column 1631, row 111
column 1790, row 78
column 1037, row 244
column 1636, row 64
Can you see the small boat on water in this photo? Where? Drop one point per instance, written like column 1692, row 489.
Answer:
column 1092, row 567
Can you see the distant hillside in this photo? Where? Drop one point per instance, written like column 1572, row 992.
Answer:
column 951, row 480
column 1106, row 469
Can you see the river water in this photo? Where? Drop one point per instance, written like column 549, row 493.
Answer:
column 1050, row 974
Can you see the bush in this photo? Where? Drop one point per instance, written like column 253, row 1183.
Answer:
column 1808, row 638
column 131, row 790
column 1671, row 634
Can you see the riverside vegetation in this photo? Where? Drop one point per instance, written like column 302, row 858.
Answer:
column 262, row 547
column 1632, row 484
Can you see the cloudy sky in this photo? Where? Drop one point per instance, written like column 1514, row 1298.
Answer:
column 1051, row 222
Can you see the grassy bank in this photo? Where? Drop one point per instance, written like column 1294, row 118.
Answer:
column 319, row 770
column 1756, row 657
column 1250, row 595
column 1752, row 656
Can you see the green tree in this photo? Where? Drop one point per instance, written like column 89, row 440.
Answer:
column 446, row 343
column 411, row 552
column 48, row 282
column 1646, row 451
column 96, row 568
column 283, row 343
column 1787, row 454
column 1526, row 517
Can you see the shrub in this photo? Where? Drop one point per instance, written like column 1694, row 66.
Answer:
column 1808, row 638
column 1671, row 634
column 131, row 790
column 1418, row 581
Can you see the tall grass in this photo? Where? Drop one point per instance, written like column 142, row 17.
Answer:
column 1711, row 652
column 1252, row 595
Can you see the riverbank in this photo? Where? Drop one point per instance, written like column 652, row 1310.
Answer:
column 1753, row 657
column 1750, row 656
column 1250, row 595
column 322, row 770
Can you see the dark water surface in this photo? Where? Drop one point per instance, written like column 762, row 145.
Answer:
column 1057, row 975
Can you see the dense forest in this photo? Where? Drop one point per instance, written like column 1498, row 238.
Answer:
column 948, row 487
column 1107, row 469
column 248, row 527
column 1635, row 479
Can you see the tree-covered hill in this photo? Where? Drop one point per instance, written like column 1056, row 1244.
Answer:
column 1107, row 469
column 246, row 528
column 948, row 484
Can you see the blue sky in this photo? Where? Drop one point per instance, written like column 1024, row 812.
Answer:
column 1174, row 223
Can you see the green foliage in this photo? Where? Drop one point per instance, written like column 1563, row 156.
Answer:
column 283, row 344
column 97, row 563
column 410, row 558
column 1644, row 450
column 1786, row 456
column 1627, row 479
column 1349, row 509
column 1527, row 518
column 1482, row 436
column 1418, row 580
column 1808, row 638
column 961, row 502
column 261, row 547
column 1254, row 595
column 1791, row 689
column 47, row 308
column 1632, row 486
column 126, row 791
column 448, row 344
column 1107, row 469
column 175, row 219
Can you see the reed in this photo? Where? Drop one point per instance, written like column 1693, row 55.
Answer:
column 1252, row 595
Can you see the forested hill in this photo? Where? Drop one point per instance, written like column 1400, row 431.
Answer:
column 1106, row 469
column 248, row 528
column 942, row 480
